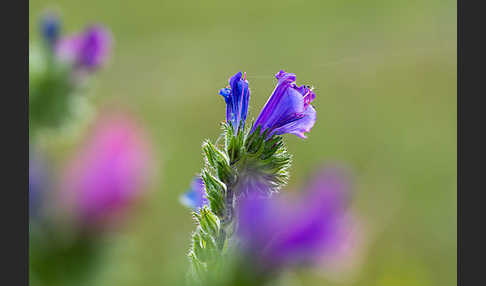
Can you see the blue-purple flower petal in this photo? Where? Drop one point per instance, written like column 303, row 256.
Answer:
column 288, row 110
column 236, row 95
column 195, row 197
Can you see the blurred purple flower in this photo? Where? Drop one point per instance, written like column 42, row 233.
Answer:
column 195, row 197
column 289, row 109
column 88, row 50
column 236, row 95
column 110, row 172
column 277, row 232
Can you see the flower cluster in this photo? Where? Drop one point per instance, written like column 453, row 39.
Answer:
column 232, row 197
column 71, row 207
column 71, row 210
column 256, row 160
column 59, row 68
column 287, row 111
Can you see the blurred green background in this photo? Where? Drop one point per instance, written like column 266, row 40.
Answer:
column 385, row 79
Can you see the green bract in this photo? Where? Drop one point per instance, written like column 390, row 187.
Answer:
column 243, row 159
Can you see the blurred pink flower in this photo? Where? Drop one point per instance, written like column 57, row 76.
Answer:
column 109, row 173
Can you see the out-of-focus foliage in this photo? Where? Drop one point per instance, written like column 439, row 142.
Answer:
column 385, row 77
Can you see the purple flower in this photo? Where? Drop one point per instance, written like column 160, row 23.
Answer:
column 236, row 95
column 278, row 232
column 88, row 50
column 289, row 109
column 109, row 173
column 195, row 197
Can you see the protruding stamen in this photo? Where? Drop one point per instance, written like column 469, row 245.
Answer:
column 307, row 98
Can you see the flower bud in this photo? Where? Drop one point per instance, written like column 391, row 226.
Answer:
column 50, row 28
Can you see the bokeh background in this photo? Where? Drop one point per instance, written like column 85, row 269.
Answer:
column 385, row 77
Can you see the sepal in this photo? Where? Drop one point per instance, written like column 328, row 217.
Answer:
column 218, row 161
column 206, row 246
column 234, row 143
column 216, row 191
